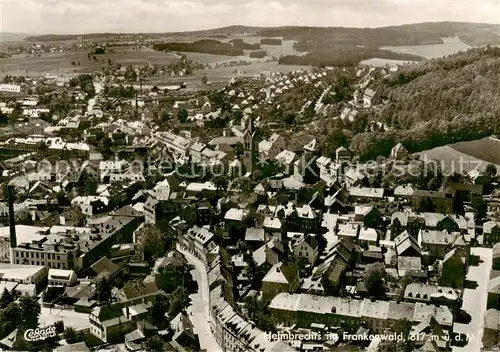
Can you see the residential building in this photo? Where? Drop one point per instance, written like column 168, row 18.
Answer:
column 433, row 201
column 306, row 247
column 62, row 278
column 371, row 98
column 30, row 279
column 110, row 323
column 269, row 149
column 280, row 278
column 365, row 194
column 75, row 248
column 342, row 155
column 303, row 309
column 175, row 144
column 399, row 152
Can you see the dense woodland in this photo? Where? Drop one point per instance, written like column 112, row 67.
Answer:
column 439, row 102
column 257, row 54
column 270, row 41
column 239, row 43
column 207, row 46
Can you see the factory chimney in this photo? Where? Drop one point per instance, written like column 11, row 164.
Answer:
column 12, row 222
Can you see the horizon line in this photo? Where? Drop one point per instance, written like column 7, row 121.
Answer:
column 244, row 25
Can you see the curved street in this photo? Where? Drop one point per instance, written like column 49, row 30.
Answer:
column 199, row 309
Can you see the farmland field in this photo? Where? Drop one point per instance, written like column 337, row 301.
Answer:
column 465, row 156
column 487, row 149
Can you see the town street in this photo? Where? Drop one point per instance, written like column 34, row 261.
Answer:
column 199, row 309
column 475, row 300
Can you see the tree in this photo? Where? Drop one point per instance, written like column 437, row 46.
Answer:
column 480, row 208
column 87, row 185
column 30, row 311
column 165, row 117
column 130, row 74
column 220, row 182
column 182, row 115
column 161, row 305
column 403, row 327
column 426, row 205
column 289, row 118
column 43, row 149
column 105, row 146
column 258, row 312
column 490, row 171
column 172, row 277
column 179, row 301
column 152, row 244
column 374, row 277
column 10, row 318
column 71, row 336
column 154, row 344
column 78, row 216
column 59, row 325
column 6, row 299
column 238, row 148
column 103, row 289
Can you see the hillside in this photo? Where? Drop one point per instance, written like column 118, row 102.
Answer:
column 439, row 102
column 313, row 37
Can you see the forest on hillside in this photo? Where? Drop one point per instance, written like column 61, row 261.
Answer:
column 313, row 38
column 206, row 46
column 439, row 102
column 338, row 46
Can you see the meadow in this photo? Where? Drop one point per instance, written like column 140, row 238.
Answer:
column 471, row 154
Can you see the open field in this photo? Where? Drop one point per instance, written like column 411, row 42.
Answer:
column 211, row 58
column 450, row 46
column 55, row 63
column 378, row 62
column 487, row 149
column 452, row 160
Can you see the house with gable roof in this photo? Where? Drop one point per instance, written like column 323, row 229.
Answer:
column 399, row 152
column 280, row 278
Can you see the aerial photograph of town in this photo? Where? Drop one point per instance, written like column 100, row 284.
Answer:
column 249, row 176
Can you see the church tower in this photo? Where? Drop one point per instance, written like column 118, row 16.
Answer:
column 249, row 147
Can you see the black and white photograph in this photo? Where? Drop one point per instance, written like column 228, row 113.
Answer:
column 249, row 176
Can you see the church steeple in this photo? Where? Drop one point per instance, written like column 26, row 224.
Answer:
column 248, row 146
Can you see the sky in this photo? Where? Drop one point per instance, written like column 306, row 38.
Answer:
column 92, row 16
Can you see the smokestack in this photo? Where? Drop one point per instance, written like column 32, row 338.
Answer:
column 12, row 221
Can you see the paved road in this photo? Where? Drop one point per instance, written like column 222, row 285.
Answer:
column 199, row 309
column 475, row 301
